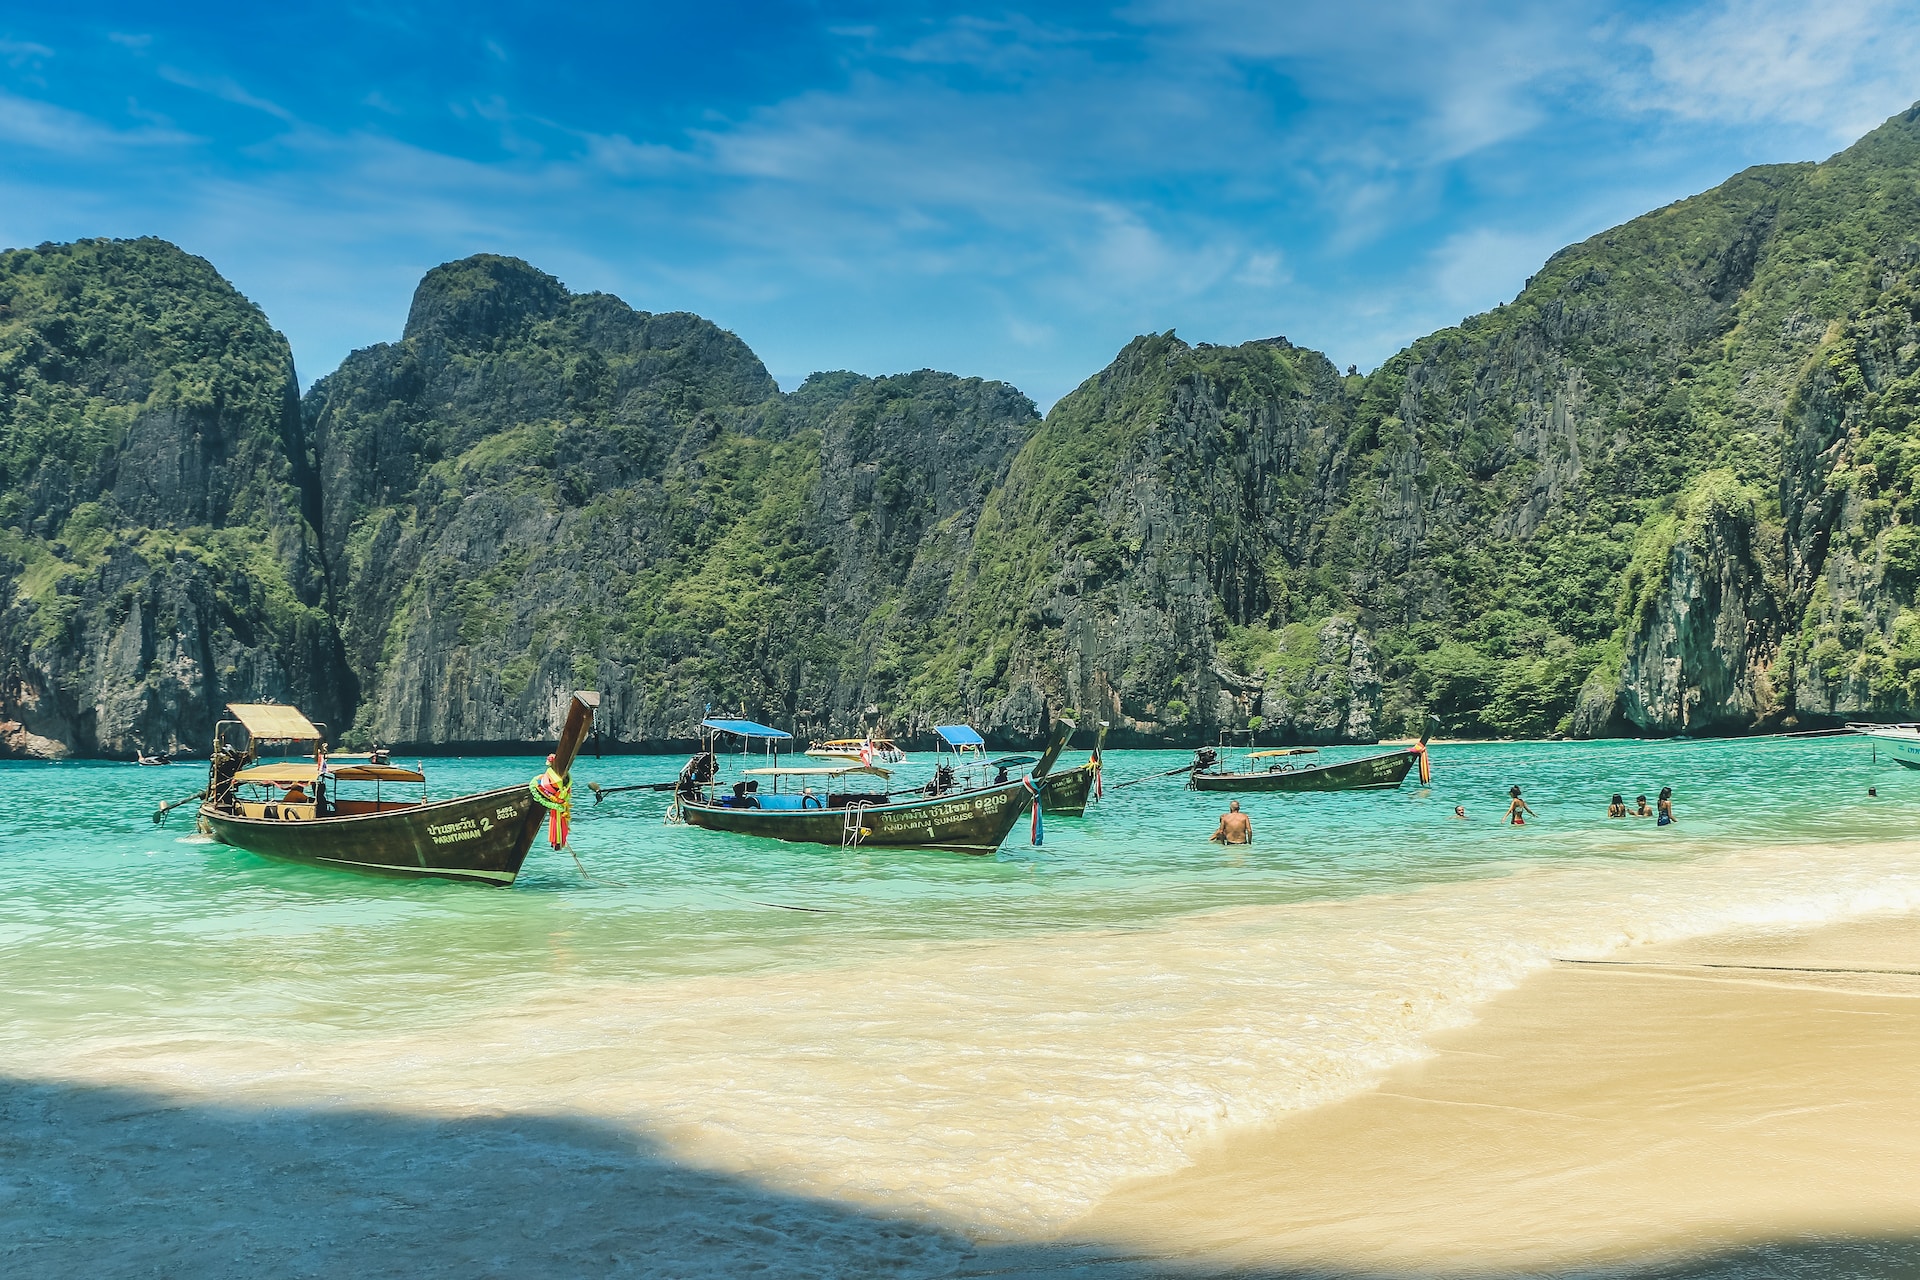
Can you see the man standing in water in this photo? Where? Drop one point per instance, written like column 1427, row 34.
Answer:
column 1234, row 827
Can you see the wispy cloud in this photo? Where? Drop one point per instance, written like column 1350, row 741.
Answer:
column 1840, row 67
column 226, row 89
column 1011, row 194
column 33, row 123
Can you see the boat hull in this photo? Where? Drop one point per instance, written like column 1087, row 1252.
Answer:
column 1903, row 747
column 973, row 822
column 1369, row 773
column 1065, row 793
column 482, row 838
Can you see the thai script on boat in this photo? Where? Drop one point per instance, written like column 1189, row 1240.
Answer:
column 952, row 811
column 453, row 832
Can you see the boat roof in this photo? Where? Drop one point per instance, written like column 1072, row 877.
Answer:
column 744, row 728
column 1285, row 751
column 825, row 771
column 375, row 773
column 960, row 735
column 284, row 773
column 855, row 742
column 272, row 721
column 1008, row 762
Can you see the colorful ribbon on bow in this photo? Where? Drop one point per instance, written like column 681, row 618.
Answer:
column 1033, row 789
column 555, row 794
column 1419, row 749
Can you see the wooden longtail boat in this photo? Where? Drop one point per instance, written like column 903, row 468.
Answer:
column 1066, row 791
column 971, row 820
column 482, row 837
column 1369, row 773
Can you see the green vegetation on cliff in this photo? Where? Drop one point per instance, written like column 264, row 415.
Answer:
column 155, row 558
column 1670, row 487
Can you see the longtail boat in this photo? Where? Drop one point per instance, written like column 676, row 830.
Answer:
column 1067, row 791
column 1369, row 773
column 290, row 808
column 944, row 814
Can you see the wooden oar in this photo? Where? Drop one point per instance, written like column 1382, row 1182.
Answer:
column 160, row 814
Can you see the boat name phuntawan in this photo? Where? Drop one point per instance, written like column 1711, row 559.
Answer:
column 450, row 832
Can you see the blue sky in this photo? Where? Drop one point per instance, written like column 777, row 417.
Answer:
column 1012, row 193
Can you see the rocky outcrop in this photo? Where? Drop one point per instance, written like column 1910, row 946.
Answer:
column 1852, row 521
column 1666, row 489
column 1157, row 508
column 155, row 557
column 1705, row 622
column 535, row 488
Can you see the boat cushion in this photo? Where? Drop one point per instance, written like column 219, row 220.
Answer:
column 791, row 802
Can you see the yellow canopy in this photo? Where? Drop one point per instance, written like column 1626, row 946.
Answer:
column 269, row 720
column 284, row 773
column 376, row 773
column 1288, row 751
column 824, row 771
column 280, row 773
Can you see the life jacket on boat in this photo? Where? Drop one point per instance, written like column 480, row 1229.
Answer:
column 555, row 794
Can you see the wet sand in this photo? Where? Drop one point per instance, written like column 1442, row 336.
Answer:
column 1656, row 1114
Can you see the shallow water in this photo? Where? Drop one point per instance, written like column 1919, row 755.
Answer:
column 993, row 1041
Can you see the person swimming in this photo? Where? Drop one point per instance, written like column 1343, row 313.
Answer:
column 1642, row 811
column 1666, row 807
column 1234, row 828
column 1459, row 811
column 1618, row 807
column 1517, row 811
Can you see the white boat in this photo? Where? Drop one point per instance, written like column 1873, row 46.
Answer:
column 868, row 751
column 1900, row 741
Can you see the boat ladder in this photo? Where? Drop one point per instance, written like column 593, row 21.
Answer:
column 853, row 828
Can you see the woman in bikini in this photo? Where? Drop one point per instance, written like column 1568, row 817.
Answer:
column 1517, row 812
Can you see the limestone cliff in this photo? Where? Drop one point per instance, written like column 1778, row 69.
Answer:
column 1668, row 488
column 156, row 559
column 533, row 489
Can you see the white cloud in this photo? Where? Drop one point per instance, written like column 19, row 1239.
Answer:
column 226, row 89
column 1841, row 66
column 32, row 123
column 20, row 53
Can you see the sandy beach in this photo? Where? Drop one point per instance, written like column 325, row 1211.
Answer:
column 1761, row 1118
column 1648, row 1115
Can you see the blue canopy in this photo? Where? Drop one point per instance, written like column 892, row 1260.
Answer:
column 745, row 728
column 960, row 735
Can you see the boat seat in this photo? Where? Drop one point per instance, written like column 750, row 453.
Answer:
column 791, row 802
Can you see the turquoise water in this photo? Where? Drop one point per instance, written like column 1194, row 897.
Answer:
column 1162, row 986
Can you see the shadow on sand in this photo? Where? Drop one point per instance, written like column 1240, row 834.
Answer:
column 109, row 1182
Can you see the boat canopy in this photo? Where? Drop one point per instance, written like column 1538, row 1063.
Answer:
column 375, row 773
column 284, row 773
column 825, row 771
column 273, row 722
column 960, row 735
column 1008, row 762
column 1284, row 751
column 281, row 773
column 744, row 728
